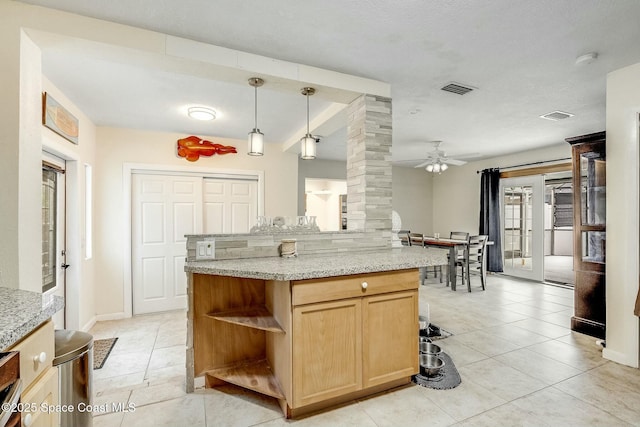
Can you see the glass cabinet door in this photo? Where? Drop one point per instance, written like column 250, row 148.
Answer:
column 593, row 205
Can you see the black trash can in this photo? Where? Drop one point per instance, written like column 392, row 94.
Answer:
column 74, row 359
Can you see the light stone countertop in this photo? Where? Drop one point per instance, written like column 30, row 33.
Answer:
column 21, row 312
column 322, row 265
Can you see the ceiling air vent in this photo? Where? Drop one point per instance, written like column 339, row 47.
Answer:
column 457, row 88
column 556, row 115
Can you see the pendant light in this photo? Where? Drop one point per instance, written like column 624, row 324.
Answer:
column 308, row 142
column 256, row 138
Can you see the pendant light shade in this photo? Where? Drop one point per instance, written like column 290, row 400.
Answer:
column 308, row 142
column 256, row 138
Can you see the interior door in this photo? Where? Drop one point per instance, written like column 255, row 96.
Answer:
column 53, row 231
column 522, row 205
column 230, row 205
column 164, row 209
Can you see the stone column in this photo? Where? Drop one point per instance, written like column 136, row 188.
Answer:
column 369, row 164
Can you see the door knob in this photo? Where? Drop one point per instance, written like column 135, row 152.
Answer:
column 64, row 266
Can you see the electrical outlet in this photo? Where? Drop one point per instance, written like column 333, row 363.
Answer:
column 205, row 250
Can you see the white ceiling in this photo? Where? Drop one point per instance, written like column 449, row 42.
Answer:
column 519, row 54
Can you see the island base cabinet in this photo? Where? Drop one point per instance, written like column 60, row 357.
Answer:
column 350, row 345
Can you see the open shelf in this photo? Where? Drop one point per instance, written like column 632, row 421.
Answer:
column 251, row 317
column 254, row 375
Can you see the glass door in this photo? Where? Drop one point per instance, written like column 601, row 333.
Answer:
column 523, row 226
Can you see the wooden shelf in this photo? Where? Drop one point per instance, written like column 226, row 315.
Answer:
column 252, row 317
column 254, row 375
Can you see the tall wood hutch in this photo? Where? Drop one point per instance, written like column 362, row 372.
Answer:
column 589, row 233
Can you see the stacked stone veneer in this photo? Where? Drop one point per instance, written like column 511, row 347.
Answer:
column 369, row 165
column 234, row 246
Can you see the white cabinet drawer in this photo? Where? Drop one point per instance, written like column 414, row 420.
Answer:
column 31, row 348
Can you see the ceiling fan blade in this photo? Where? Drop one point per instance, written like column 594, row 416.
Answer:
column 454, row 162
column 423, row 164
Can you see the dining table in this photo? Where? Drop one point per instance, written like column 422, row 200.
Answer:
column 453, row 245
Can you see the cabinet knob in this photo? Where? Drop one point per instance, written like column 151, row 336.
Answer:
column 40, row 358
column 364, row 285
column 27, row 420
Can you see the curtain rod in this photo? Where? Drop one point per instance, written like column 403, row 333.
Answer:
column 528, row 164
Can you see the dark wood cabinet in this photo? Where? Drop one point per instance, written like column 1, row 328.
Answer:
column 589, row 233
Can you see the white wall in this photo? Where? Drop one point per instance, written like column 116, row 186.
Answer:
column 119, row 146
column 321, row 169
column 623, row 107
column 323, row 201
column 456, row 192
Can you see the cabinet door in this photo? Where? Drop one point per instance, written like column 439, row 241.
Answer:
column 42, row 393
column 327, row 350
column 390, row 337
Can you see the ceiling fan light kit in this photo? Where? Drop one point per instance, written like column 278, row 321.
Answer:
column 256, row 138
column 308, row 142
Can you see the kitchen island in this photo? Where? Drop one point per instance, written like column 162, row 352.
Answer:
column 312, row 331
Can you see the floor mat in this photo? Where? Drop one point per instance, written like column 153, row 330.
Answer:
column 101, row 350
column 447, row 378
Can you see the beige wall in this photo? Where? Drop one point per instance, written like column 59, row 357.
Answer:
column 119, row 146
column 623, row 107
column 456, row 192
column 321, row 169
column 412, row 198
column 80, row 278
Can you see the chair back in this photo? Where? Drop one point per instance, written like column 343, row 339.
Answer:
column 459, row 235
column 477, row 246
column 416, row 239
column 403, row 235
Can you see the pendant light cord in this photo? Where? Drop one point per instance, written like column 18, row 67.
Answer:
column 256, row 107
column 307, row 113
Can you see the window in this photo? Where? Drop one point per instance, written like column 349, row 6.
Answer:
column 49, row 229
column 88, row 211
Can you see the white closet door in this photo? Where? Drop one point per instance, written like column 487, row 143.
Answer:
column 165, row 208
column 230, row 205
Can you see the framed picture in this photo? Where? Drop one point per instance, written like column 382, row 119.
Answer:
column 58, row 119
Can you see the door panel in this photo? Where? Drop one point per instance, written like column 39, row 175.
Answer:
column 230, row 205
column 522, row 205
column 390, row 321
column 327, row 358
column 165, row 208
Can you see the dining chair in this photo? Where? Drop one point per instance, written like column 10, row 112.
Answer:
column 417, row 239
column 477, row 264
column 462, row 259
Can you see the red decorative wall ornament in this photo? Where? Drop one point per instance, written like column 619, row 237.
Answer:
column 192, row 147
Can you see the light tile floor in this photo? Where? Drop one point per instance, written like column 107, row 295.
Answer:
column 520, row 366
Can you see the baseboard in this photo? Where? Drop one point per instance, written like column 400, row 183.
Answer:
column 622, row 358
column 111, row 316
column 89, row 325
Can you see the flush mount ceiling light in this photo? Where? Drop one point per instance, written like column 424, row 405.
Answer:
column 308, row 142
column 201, row 113
column 587, row 58
column 256, row 138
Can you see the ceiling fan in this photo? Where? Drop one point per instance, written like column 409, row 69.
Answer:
column 437, row 160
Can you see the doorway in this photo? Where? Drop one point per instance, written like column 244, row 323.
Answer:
column 558, row 229
column 326, row 200
column 54, row 232
column 522, row 226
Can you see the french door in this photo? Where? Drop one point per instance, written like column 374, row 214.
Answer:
column 522, row 205
column 53, row 231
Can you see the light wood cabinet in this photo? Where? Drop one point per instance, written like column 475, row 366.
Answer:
column 43, row 393
column 309, row 343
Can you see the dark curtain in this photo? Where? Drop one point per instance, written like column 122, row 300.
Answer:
column 490, row 217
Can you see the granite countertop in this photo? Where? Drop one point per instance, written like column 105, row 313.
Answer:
column 21, row 312
column 324, row 265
